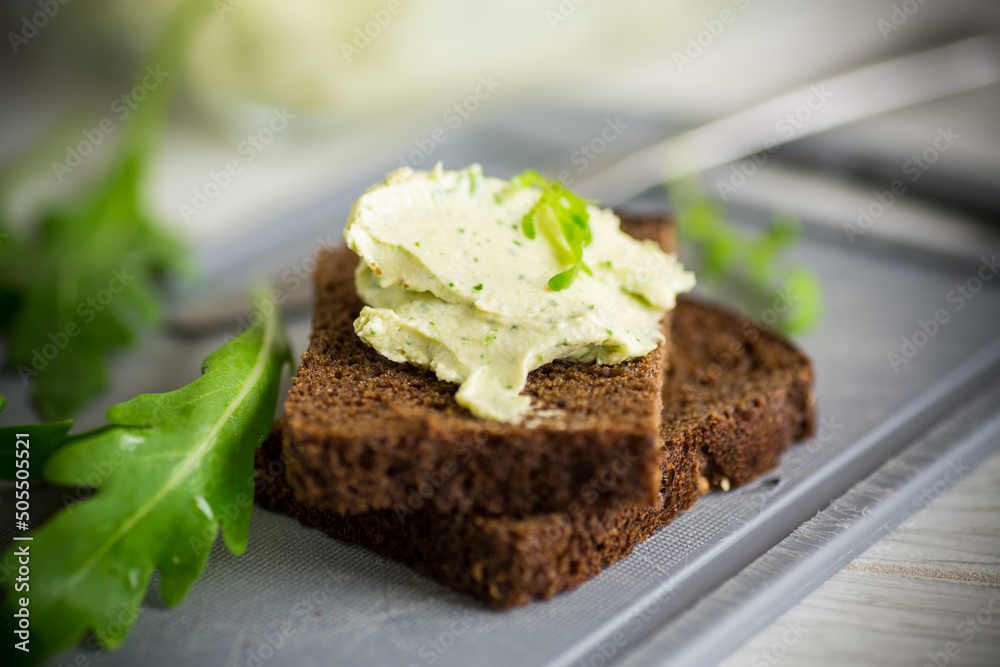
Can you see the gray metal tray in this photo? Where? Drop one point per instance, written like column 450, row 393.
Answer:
column 298, row 598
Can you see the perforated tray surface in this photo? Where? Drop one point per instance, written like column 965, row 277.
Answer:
column 297, row 598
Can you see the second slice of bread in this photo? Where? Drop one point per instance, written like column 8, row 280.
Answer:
column 734, row 399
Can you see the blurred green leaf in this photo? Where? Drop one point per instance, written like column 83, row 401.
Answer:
column 45, row 440
column 82, row 280
column 806, row 291
column 169, row 470
column 750, row 269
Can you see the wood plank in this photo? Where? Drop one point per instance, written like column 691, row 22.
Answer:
column 926, row 593
column 858, row 618
column 957, row 534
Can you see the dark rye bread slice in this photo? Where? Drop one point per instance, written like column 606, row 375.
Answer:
column 363, row 432
column 735, row 398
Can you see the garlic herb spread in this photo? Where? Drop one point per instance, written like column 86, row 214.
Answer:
column 452, row 284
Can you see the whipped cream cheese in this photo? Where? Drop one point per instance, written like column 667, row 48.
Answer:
column 452, row 284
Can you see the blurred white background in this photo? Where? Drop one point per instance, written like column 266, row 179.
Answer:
column 366, row 80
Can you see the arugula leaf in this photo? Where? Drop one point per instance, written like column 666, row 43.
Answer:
column 79, row 288
column 751, row 268
column 45, row 439
column 172, row 467
column 559, row 208
column 76, row 286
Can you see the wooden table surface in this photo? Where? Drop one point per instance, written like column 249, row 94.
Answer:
column 928, row 593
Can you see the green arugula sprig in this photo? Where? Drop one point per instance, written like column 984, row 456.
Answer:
column 77, row 290
column 76, row 285
column 172, row 468
column 751, row 268
column 564, row 219
column 46, row 440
